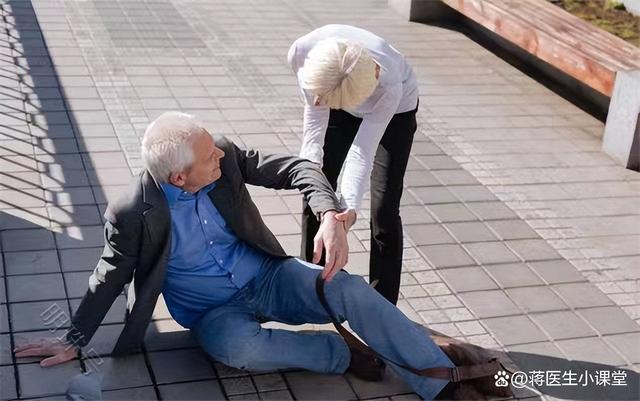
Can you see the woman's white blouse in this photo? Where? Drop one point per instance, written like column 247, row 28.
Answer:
column 397, row 92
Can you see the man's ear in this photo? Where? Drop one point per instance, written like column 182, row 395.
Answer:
column 177, row 179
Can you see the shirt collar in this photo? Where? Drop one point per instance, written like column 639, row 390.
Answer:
column 175, row 194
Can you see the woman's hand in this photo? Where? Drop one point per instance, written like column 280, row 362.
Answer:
column 348, row 217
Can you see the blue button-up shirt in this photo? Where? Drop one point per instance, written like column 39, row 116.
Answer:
column 208, row 264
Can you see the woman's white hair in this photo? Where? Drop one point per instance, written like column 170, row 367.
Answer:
column 340, row 74
column 167, row 144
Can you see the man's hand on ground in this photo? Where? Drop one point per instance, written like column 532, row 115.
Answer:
column 331, row 236
column 56, row 351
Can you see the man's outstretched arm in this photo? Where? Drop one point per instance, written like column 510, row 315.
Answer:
column 114, row 269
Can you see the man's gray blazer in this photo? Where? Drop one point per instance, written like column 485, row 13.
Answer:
column 138, row 235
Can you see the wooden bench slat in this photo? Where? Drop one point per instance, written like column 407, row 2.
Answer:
column 570, row 30
column 579, row 32
column 559, row 38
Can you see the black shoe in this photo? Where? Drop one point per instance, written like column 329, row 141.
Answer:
column 366, row 366
column 448, row 392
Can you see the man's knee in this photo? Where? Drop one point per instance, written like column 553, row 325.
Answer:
column 229, row 342
column 351, row 286
column 247, row 353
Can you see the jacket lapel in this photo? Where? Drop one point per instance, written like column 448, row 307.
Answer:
column 223, row 199
column 156, row 213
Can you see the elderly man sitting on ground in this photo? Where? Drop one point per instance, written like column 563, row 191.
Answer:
column 188, row 228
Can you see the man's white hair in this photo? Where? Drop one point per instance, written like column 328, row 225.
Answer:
column 341, row 74
column 167, row 144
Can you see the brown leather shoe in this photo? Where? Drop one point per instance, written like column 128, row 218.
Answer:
column 366, row 366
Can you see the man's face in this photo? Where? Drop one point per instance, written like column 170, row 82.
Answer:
column 206, row 165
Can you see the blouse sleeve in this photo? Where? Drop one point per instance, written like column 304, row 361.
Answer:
column 359, row 161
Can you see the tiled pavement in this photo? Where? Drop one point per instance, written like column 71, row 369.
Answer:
column 520, row 234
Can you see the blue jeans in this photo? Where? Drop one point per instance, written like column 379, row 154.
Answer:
column 284, row 291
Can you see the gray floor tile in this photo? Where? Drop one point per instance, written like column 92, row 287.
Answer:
column 35, row 287
column 389, row 386
column 491, row 210
column 582, row 295
column 114, row 315
column 59, row 182
column 70, row 196
column 489, row 303
column 434, row 161
column 533, row 249
column 610, row 320
column 406, row 397
column 536, row 299
column 161, row 311
column 269, row 382
column 472, row 193
column 180, row 365
column 99, row 145
column 512, row 229
column 471, row 232
column 514, row 330
column 31, row 262
column 454, row 177
column 276, row 395
column 269, row 205
column 5, row 349
column 563, row 324
column 24, row 218
column 513, row 275
column 104, row 340
column 117, row 373
column 433, row 195
column 4, row 319
column 80, row 259
column 80, row 237
column 441, row 256
column 36, row 381
column 109, row 176
column 8, row 381
column 79, row 215
column 40, row 315
column 245, row 397
column 542, row 348
column 282, row 224
column 168, row 334
column 451, row 212
column 415, row 214
column 591, row 349
column 626, row 344
column 225, row 371
column 428, row 234
column 557, row 271
column 203, row 390
column 313, row 386
column 130, row 394
column 468, row 279
column 491, row 252
column 238, row 385
column 77, row 283
column 420, row 178
column 27, row 240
